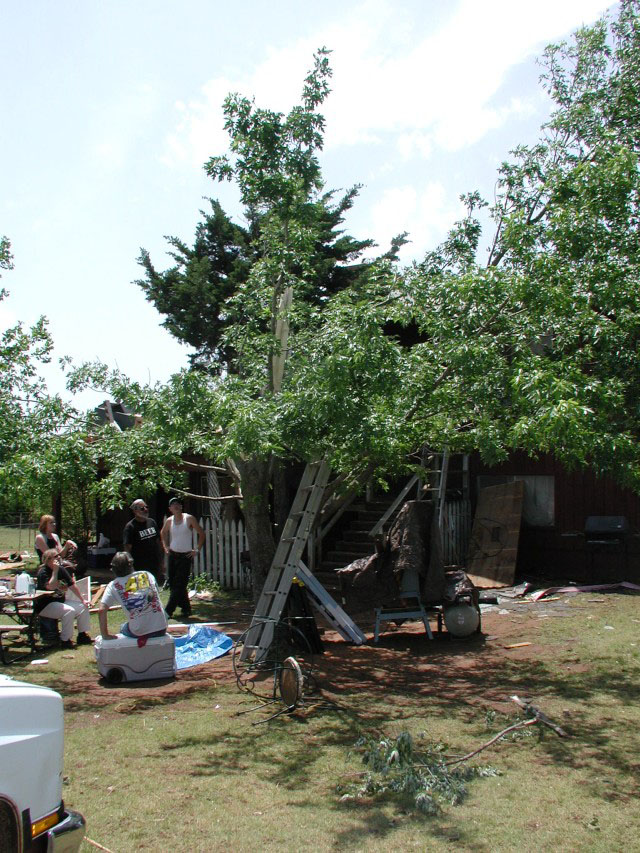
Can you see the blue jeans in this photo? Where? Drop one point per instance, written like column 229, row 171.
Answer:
column 128, row 633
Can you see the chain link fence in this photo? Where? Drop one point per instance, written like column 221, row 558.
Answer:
column 17, row 533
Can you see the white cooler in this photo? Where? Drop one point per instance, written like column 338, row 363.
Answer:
column 123, row 660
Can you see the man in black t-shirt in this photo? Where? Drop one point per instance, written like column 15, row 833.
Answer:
column 141, row 538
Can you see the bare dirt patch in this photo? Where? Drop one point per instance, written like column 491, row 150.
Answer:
column 475, row 670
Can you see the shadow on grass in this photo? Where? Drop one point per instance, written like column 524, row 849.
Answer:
column 369, row 822
column 283, row 751
column 408, row 674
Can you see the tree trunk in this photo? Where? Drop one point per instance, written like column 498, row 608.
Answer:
column 281, row 502
column 254, row 476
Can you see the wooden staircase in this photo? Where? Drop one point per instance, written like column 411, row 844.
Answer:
column 354, row 540
column 366, row 520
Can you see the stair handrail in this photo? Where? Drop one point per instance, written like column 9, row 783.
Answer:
column 394, row 506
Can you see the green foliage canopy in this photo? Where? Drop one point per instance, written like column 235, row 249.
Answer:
column 535, row 349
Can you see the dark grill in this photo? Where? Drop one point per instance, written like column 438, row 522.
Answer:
column 606, row 530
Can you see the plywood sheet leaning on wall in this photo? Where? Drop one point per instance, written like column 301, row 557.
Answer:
column 493, row 549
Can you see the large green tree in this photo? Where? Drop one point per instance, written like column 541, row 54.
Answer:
column 194, row 293
column 535, row 348
column 242, row 295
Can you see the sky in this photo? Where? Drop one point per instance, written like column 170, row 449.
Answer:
column 111, row 107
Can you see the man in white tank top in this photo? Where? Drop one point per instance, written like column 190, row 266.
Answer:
column 177, row 541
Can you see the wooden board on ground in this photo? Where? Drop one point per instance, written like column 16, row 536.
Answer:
column 493, row 549
column 97, row 595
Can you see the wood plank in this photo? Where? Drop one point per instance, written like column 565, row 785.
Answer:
column 493, row 548
column 97, row 595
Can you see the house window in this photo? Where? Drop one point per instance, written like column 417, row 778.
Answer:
column 538, row 509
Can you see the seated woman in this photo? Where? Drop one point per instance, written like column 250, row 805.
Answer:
column 48, row 539
column 54, row 578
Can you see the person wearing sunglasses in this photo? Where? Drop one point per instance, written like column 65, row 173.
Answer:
column 141, row 539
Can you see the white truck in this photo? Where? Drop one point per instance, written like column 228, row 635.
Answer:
column 33, row 816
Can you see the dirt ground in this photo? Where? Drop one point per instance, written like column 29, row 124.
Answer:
column 447, row 668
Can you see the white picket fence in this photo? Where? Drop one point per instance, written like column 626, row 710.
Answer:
column 219, row 558
column 456, row 532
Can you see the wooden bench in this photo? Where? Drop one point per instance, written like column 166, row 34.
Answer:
column 10, row 629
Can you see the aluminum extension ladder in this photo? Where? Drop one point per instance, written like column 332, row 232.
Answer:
column 287, row 564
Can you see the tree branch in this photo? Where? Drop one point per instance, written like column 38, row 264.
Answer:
column 205, row 467
column 501, row 734
column 208, row 497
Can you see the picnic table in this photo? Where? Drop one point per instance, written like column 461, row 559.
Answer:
column 18, row 607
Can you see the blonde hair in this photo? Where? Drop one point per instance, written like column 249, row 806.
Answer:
column 44, row 520
column 51, row 552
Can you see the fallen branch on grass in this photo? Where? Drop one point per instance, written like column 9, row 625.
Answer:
column 501, row 734
column 95, row 844
column 538, row 716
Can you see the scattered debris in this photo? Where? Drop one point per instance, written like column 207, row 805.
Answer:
column 40, row 662
column 601, row 587
column 518, row 645
column 518, row 591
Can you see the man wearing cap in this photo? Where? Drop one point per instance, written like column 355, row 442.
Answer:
column 177, row 541
column 141, row 539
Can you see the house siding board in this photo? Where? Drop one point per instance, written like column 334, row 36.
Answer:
column 561, row 551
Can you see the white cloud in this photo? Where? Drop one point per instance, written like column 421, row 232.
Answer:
column 424, row 211
column 200, row 130
column 415, row 143
column 395, row 74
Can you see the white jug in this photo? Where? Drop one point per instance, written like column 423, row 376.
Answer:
column 22, row 582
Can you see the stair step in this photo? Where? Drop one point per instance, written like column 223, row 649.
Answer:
column 361, row 536
column 330, row 566
column 328, row 580
column 351, row 546
column 372, row 506
column 344, row 558
column 360, row 526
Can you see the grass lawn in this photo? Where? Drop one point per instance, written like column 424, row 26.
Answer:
column 170, row 766
column 13, row 538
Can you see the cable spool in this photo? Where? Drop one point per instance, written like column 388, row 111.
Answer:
column 291, row 682
column 461, row 620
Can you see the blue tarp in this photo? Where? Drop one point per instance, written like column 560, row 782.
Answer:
column 199, row 645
